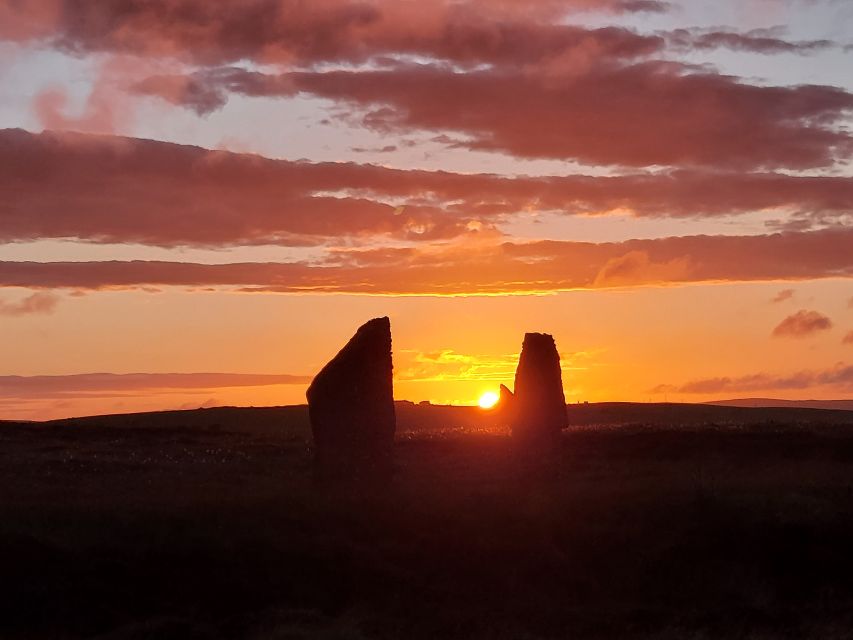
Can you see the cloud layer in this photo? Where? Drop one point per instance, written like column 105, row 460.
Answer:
column 641, row 114
column 484, row 267
column 304, row 33
column 123, row 190
column 507, row 76
column 839, row 377
column 78, row 385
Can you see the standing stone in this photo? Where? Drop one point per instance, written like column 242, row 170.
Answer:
column 351, row 408
column 506, row 406
column 539, row 404
column 505, row 398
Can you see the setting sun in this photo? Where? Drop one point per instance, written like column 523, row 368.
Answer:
column 488, row 400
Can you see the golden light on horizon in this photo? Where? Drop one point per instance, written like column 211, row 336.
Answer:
column 488, row 400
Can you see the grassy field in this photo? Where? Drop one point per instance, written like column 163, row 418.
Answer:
column 171, row 527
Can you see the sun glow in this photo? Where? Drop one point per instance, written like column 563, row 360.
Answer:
column 488, row 400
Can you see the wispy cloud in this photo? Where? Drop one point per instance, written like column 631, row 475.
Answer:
column 802, row 324
column 110, row 384
column 783, row 295
column 839, row 377
column 449, row 365
column 41, row 302
column 766, row 41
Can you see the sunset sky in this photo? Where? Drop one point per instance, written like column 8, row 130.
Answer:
column 201, row 201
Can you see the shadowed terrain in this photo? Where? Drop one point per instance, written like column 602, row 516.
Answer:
column 664, row 521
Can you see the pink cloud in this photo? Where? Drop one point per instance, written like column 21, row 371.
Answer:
column 802, row 324
column 108, row 108
column 594, row 95
column 649, row 113
column 187, row 91
column 597, row 95
column 783, row 295
column 41, row 302
column 51, row 106
column 291, row 31
column 22, row 20
column 340, row 30
column 105, row 189
column 635, row 267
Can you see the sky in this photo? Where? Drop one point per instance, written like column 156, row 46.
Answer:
column 202, row 201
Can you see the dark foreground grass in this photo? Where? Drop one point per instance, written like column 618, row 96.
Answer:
column 645, row 533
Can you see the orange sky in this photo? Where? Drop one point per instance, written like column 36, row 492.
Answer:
column 635, row 344
column 201, row 204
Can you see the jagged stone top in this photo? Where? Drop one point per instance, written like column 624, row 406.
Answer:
column 351, row 408
column 539, row 403
column 545, row 339
column 370, row 344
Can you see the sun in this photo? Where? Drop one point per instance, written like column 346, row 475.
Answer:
column 488, row 400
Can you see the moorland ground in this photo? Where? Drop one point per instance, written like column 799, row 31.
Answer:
column 208, row 525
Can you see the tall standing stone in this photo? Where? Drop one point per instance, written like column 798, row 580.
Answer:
column 538, row 403
column 351, row 408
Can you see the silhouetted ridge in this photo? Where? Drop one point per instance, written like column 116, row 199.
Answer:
column 351, row 407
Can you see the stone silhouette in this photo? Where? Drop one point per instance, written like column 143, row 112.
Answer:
column 505, row 403
column 351, row 408
column 538, row 406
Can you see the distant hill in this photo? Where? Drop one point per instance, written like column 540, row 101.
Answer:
column 673, row 414
column 292, row 421
column 844, row 405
